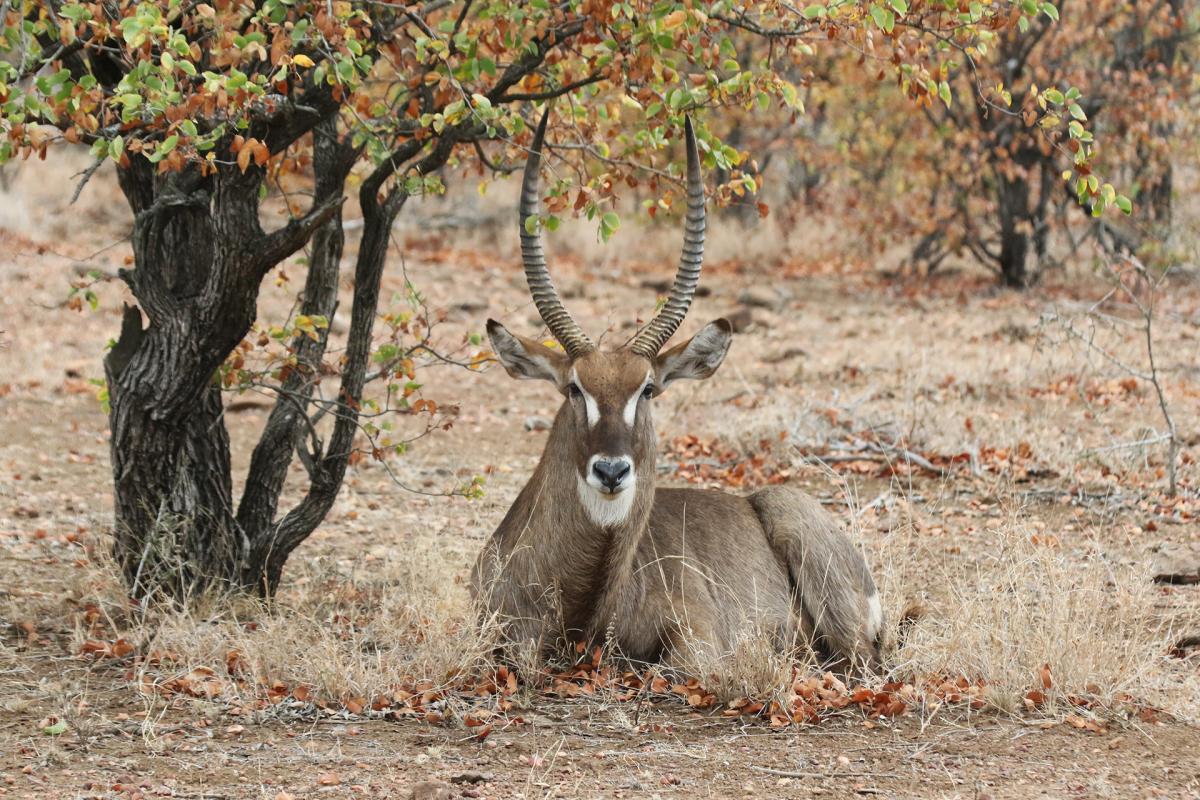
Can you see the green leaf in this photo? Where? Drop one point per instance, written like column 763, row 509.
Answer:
column 56, row 728
column 884, row 18
column 1124, row 204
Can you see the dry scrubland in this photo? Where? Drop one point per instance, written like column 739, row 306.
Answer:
column 1030, row 544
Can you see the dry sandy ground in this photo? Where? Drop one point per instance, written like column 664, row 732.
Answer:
column 950, row 368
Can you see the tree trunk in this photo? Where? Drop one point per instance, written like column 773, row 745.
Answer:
column 270, row 552
column 271, row 547
column 1015, row 229
column 289, row 422
column 175, row 529
column 199, row 257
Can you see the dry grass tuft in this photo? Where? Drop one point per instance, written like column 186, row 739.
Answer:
column 342, row 636
column 1027, row 605
column 756, row 667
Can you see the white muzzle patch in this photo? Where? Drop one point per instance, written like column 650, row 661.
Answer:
column 603, row 507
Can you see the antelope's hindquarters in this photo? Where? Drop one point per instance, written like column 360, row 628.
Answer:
column 828, row 573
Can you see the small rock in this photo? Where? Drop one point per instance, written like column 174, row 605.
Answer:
column 573, row 289
column 1013, row 331
column 786, row 355
column 1175, row 563
column 760, row 297
column 663, row 285
column 537, row 424
column 431, row 790
column 740, row 319
column 471, row 305
column 472, row 777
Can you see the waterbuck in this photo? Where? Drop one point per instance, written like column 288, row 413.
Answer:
column 592, row 548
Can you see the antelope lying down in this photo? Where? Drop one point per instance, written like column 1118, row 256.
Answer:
column 591, row 547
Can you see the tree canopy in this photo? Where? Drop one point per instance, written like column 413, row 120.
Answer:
column 188, row 85
column 203, row 106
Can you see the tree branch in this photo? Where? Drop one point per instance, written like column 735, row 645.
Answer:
column 553, row 93
column 281, row 243
column 271, row 551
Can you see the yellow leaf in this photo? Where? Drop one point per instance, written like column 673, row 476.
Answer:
column 674, row 19
column 301, row 60
column 243, row 158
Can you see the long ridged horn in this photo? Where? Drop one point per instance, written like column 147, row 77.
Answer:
column 687, row 277
column 545, row 296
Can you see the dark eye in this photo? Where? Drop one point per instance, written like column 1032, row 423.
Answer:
column 648, row 392
column 574, row 391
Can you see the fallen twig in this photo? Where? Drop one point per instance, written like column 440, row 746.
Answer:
column 785, row 773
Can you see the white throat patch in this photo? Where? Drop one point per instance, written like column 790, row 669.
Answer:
column 606, row 511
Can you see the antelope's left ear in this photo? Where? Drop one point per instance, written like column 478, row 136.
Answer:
column 698, row 357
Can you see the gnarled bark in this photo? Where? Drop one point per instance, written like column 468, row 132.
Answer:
column 199, row 258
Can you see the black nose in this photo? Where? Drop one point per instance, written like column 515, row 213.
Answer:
column 611, row 473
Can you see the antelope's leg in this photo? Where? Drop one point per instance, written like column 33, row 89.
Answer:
column 524, row 612
column 692, row 644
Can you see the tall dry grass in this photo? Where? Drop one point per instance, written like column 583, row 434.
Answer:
column 341, row 635
column 1026, row 613
column 1023, row 604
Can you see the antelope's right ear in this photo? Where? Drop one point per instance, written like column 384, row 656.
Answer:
column 698, row 357
column 525, row 359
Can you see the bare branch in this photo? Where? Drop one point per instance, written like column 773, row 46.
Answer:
column 87, row 176
column 281, row 243
column 553, row 93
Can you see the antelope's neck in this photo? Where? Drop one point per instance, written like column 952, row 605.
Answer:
column 591, row 541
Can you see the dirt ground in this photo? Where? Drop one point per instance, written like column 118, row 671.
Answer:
column 1029, row 432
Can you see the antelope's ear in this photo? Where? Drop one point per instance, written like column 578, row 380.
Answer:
column 698, row 357
column 525, row 359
